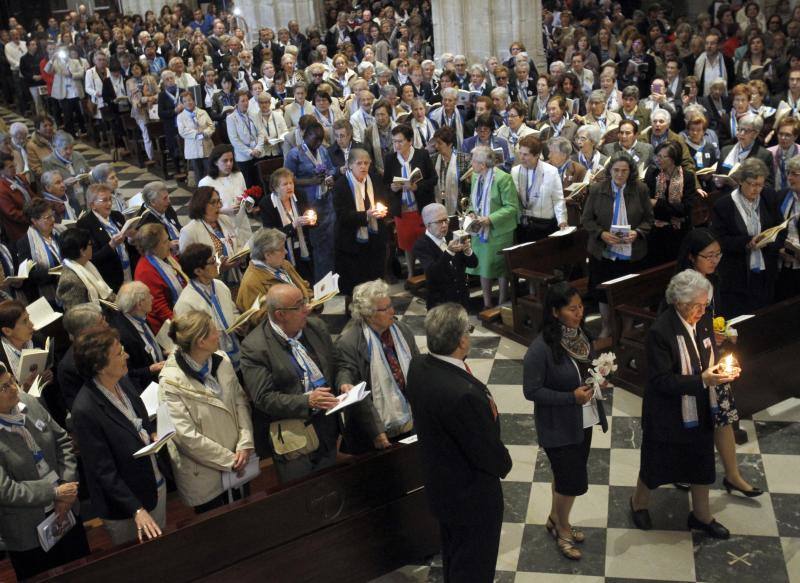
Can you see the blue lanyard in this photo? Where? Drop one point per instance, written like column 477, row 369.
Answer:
column 618, row 194
column 530, row 182
column 53, row 255
column 213, row 302
column 149, row 338
column 175, row 293
column 248, row 123
column 164, row 220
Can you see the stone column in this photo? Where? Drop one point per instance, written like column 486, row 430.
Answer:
column 482, row 28
column 277, row 13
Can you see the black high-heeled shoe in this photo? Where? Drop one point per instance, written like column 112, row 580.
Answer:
column 749, row 493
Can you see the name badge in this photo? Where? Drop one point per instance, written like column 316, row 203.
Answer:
column 707, row 342
column 39, row 425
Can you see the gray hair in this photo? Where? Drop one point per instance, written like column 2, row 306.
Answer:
column 483, row 154
column 793, row 165
column 432, row 209
column 94, row 191
column 166, row 74
column 592, row 132
column 684, row 286
column 363, row 66
column 130, row 295
column 266, row 241
column 18, row 127
column 48, row 178
column 597, row 96
column 751, row 168
column 477, row 68
column 445, row 325
column 751, row 121
column 450, row 92
column 557, row 65
column 62, row 139
column 388, row 90
column 500, row 92
column 560, row 144
column 694, row 110
column 80, row 317
column 364, row 296
column 151, row 190
column 101, row 172
column 658, row 112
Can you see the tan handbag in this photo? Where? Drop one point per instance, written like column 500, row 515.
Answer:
column 292, row 438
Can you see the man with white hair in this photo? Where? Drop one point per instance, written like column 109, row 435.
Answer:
column 448, row 114
column 19, row 140
column 444, row 259
column 659, row 132
column 362, row 118
column 557, row 70
column 460, row 67
column 93, row 82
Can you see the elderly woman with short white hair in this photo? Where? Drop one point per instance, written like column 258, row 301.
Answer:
column 747, row 146
column 680, row 402
column 494, row 208
column 587, row 140
column 72, row 165
column 375, row 348
column 145, row 356
column 106, row 174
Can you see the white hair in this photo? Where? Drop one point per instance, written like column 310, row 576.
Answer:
column 685, row 286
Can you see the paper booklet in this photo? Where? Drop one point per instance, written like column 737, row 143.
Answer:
column 232, row 481
column 325, row 289
column 727, row 179
column 50, row 530
column 351, row 397
column 23, row 272
column 150, row 399
column 246, row 315
column 55, row 270
column 163, row 339
column 563, row 232
column 136, row 201
column 165, row 431
column 416, row 176
column 38, row 384
column 706, row 171
column 575, row 189
column 278, row 140
column 130, row 224
column 409, row 440
column 108, row 304
column 42, row 314
column 769, row 235
column 240, row 254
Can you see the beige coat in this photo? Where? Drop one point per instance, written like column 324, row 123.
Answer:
column 210, row 429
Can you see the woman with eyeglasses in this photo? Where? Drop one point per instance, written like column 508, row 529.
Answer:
column 748, row 269
column 41, row 245
column 16, row 335
column 39, row 477
column 680, row 403
column 376, row 348
column 111, row 423
column 702, row 252
column 79, row 281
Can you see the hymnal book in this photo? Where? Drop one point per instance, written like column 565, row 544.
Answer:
column 42, row 314
column 351, row 397
column 728, row 179
column 416, row 176
column 165, row 431
column 130, row 224
column 246, row 315
column 575, row 189
column 278, row 140
column 55, row 270
column 135, row 202
column 37, row 387
column 51, row 530
column 232, row 480
column 240, row 254
column 769, row 235
column 325, row 289
column 706, row 171
column 409, row 440
column 163, row 339
column 23, row 272
column 150, row 399
column 32, row 360
column 563, row 232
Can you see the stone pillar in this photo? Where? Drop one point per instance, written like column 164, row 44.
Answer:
column 482, row 28
column 277, row 13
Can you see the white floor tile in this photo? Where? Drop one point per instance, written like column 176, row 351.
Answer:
column 602, row 440
column 510, row 542
column 752, row 442
column 624, row 467
column 590, row 510
column 510, row 349
column 626, row 404
column 782, row 472
column 655, row 554
column 481, row 368
column 524, row 458
column 788, row 410
column 509, row 399
column 740, row 515
column 791, row 552
column 523, row 577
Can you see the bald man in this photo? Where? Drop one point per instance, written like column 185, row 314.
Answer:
column 288, row 368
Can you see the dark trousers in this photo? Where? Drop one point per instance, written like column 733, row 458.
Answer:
column 533, row 229
column 72, row 547
column 200, row 167
column 71, row 108
column 469, row 551
column 223, row 499
column 788, row 284
column 249, row 172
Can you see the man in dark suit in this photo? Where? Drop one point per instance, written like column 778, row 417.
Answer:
column 444, row 262
column 338, row 151
column 463, row 457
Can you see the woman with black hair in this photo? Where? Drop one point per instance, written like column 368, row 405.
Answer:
column 79, row 282
column 702, row 252
column 566, row 411
column 224, row 101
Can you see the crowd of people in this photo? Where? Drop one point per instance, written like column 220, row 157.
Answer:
column 665, row 138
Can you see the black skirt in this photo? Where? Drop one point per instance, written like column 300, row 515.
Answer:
column 667, row 463
column 367, row 264
column 568, row 463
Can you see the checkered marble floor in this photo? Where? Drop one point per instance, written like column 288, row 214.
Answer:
column 765, row 542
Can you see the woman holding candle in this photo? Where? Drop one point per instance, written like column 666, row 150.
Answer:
column 702, row 252
column 288, row 211
column 225, row 177
column 680, row 403
column 360, row 204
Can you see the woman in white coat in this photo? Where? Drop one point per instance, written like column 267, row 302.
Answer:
column 271, row 127
column 206, row 403
column 68, row 73
column 209, row 227
column 208, row 294
column 196, row 128
column 243, row 136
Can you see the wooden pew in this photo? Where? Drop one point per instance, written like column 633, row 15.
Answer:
column 633, row 304
column 536, row 265
column 351, row 523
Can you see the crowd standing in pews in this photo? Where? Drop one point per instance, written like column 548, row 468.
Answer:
column 355, row 149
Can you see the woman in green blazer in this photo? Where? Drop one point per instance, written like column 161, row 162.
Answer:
column 494, row 206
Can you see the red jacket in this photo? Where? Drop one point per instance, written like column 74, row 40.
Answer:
column 14, row 223
column 162, row 298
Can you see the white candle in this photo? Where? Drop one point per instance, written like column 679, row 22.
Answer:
column 312, row 217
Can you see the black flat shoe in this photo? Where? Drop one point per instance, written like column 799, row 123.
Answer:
column 749, row 493
column 641, row 518
column 713, row 529
column 682, row 486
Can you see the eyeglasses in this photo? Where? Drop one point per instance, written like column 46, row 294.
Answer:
column 102, row 200
column 785, row 135
column 745, row 130
column 504, row 78
column 302, row 305
column 439, row 222
column 711, row 256
column 215, row 202
column 698, row 307
column 11, row 384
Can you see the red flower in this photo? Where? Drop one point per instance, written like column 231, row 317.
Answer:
column 253, row 192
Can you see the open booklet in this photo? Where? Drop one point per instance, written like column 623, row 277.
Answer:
column 232, row 480
column 150, row 399
column 706, row 171
column 135, row 203
column 240, row 254
column 23, row 272
column 563, row 232
column 415, row 176
column 278, row 140
column 41, row 313
column 165, row 431
column 131, row 223
column 351, row 397
column 728, row 179
column 769, row 235
column 325, row 289
column 246, row 315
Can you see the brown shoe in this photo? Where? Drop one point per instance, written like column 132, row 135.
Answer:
column 148, row 163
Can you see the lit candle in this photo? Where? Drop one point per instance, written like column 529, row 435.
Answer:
column 312, row 217
column 380, row 207
column 727, row 365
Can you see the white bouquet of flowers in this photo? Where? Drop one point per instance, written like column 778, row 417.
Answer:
column 602, row 367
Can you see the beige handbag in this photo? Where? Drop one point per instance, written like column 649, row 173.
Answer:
column 292, row 438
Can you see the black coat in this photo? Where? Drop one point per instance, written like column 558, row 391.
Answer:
column 139, row 360
column 149, row 218
column 463, row 457
column 714, row 115
column 70, row 379
column 336, row 155
column 270, row 217
column 661, row 408
column 757, row 151
column 38, row 275
column 349, row 220
column 119, row 484
column 104, row 257
column 425, row 187
column 445, row 275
